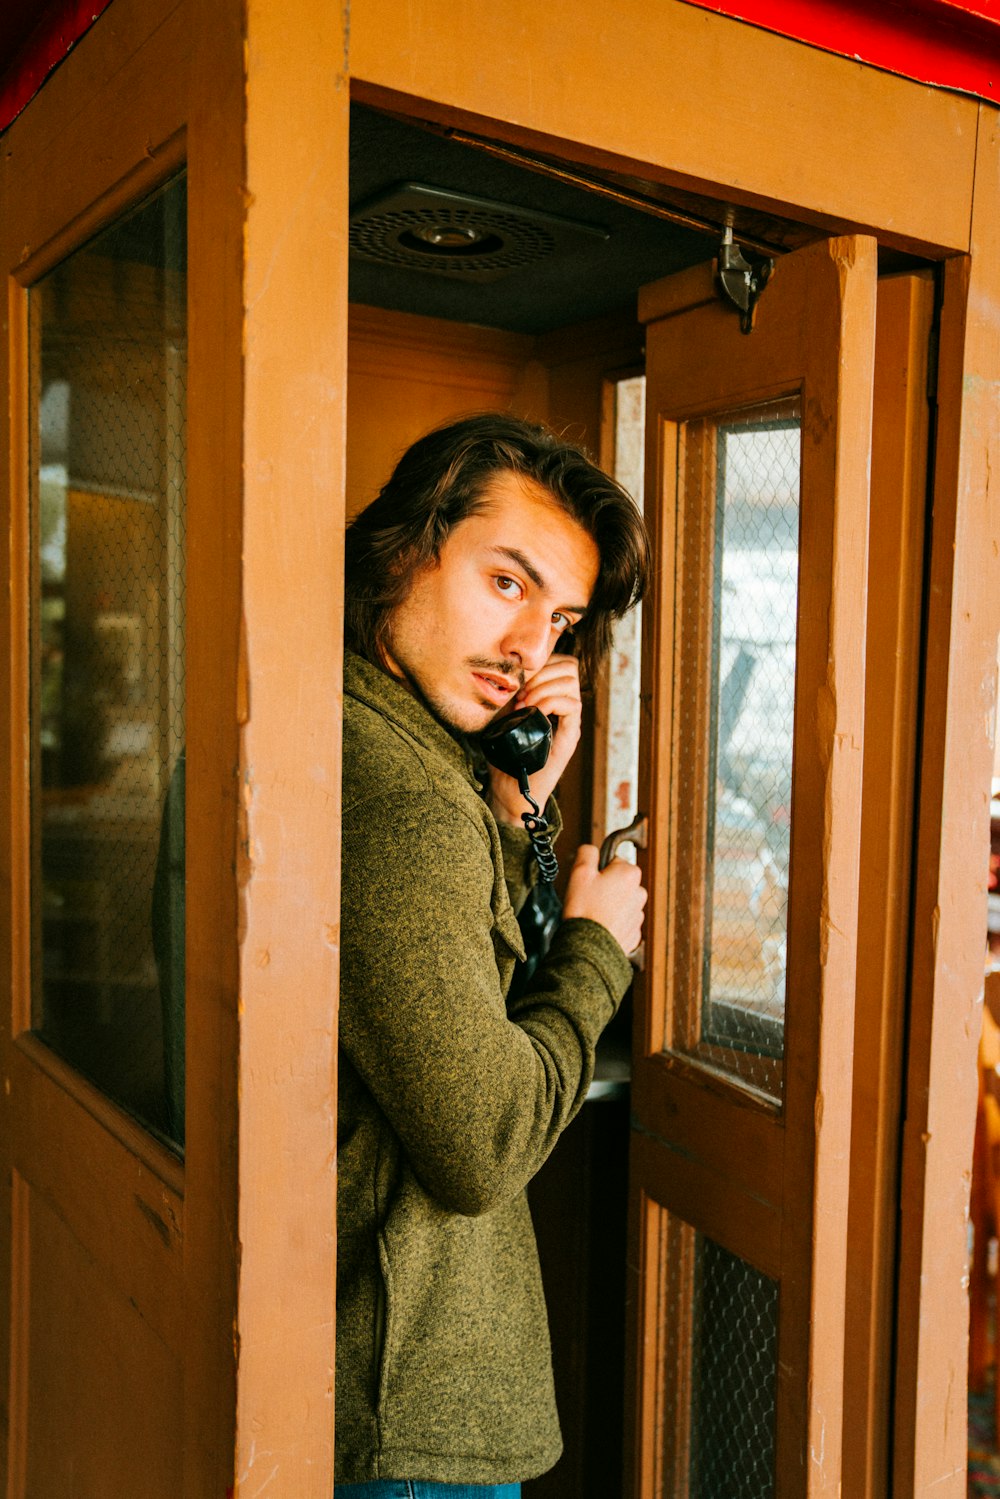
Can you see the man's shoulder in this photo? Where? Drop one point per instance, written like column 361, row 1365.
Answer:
column 383, row 762
column 380, row 758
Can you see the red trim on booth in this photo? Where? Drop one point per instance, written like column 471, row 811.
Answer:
column 33, row 46
column 949, row 43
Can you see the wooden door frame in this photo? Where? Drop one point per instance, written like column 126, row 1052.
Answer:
column 469, row 69
column 958, row 710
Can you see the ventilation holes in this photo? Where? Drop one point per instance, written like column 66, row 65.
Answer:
column 449, row 234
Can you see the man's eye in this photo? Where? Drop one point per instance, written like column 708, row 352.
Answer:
column 507, row 585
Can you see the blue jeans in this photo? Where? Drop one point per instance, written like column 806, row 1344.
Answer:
column 417, row 1488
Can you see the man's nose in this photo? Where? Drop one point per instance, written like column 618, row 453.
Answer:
column 530, row 640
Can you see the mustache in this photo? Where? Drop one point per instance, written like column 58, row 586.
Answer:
column 502, row 668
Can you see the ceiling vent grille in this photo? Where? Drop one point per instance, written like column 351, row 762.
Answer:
column 443, row 233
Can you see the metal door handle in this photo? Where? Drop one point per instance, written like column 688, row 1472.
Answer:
column 636, row 832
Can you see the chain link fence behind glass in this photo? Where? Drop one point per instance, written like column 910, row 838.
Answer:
column 108, row 703
column 738, row 611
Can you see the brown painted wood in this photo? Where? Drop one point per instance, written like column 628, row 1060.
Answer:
column 699, row 365
column 156, row 84
column 951, row 856
column 607, row 84
column 602, row 102
column 114, row 1430
column 92, row 1214
column 407, row 374
column 294, row 414
column 895, row 576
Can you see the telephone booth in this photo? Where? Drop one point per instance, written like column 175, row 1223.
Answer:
column 251, row 252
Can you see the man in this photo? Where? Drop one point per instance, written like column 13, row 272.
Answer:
column 491, row 543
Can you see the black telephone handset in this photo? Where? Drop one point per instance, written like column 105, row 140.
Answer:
column 519, row 744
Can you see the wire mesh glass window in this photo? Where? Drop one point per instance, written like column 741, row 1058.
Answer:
column 737, row 599
column 717, row 1391
column 107, row 711
column 734, row 1377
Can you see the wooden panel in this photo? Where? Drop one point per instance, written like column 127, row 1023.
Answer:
column 700, row 1114
column 734, row 1217
column 215, row 698
column 576, row 360
column 952, row 851
column 115, row 66
column 293, row 329
column 108, row 1293
column 895, row 581
column 800, row 136
column 104, row 1391
column 407, row 374
column 118, row 1191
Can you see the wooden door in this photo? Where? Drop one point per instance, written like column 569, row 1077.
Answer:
column 172, row 379
column 102, row 698
column 753, row 687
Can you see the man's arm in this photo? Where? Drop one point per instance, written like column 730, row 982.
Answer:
column 477, row 1097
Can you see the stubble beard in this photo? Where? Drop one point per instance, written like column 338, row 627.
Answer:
column 445, row 713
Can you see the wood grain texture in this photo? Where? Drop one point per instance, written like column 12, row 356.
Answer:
column 407, row 374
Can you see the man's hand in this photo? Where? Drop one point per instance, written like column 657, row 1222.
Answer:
column 555, row 689
column 614, row 897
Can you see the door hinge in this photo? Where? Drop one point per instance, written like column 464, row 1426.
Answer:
column 740, row 281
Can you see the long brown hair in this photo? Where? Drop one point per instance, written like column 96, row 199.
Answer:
column 440, row 480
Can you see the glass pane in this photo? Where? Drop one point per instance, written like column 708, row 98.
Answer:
column 752, row 697
column 108, row 337
column 734, row 1377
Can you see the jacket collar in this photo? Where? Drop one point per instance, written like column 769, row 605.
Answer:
column 388, row 697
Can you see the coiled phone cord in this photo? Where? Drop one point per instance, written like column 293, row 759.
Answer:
column 540, row 833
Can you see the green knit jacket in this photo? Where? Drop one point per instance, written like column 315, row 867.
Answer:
column 449, row 1102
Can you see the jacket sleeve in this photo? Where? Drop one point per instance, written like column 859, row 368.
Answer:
column 477, row 1097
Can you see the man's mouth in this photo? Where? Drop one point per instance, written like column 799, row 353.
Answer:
column 496, row 688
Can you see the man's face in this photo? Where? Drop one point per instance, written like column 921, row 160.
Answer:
column 481, row 619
